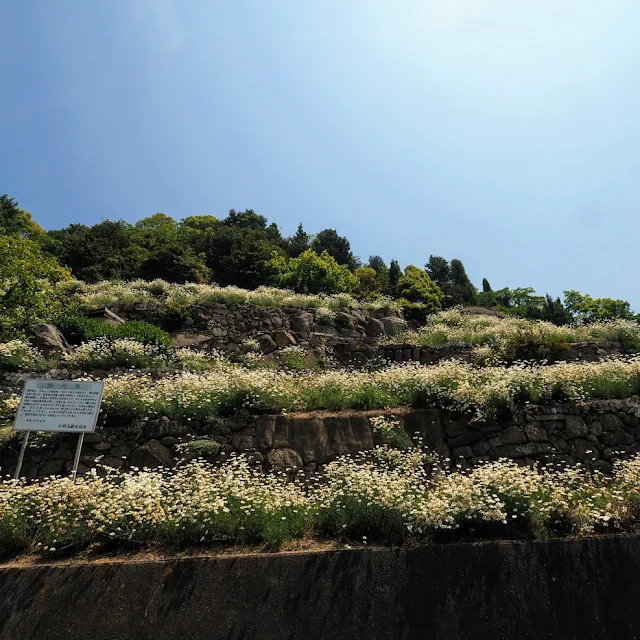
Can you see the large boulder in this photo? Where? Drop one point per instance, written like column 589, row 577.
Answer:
column 267, row 344
column 283, row 460
column 152, row 455
column 283, row 338
column 374, row 328
column 49, row 339
column 180, row 339
column 393, row 326
column 301, row 323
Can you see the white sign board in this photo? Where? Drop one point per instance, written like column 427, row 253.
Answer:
column 59, row 405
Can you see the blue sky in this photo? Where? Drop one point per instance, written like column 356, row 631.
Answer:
column 500, row 132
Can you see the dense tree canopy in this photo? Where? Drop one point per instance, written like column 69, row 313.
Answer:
column 313, row 273
column 245, row 250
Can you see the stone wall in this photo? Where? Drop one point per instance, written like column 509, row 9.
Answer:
column 578, row 589
column 225, row 326
column 583, row 351
column 595, row 433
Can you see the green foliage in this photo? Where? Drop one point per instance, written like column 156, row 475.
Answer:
column 79, row 329
column 416, row 286
column 199, row 448
column 298, row 243
column 486, row 287
column 338, row 247
column 525, row 303
column 368, row 283
column 382, row 274
column 27, row 286
column 586, row 309
column 174, row 263
column 17, row 222
column 417, row 311
column 313, row 273
column 395, row 272
column 452, row 279
column 108, row 250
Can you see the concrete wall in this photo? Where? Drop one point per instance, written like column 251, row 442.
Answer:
column 562, row 589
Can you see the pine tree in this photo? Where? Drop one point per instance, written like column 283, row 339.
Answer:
column 486, row 287
column 394, row 275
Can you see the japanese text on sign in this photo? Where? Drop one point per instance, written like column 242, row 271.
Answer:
column 55, row 405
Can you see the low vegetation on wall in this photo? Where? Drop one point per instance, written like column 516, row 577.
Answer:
column 231, row 389
column 507, row 339
column 158, row 294
column 386, row 496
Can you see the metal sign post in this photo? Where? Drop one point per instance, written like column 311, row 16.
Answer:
column 23, row 448
column 58, row 405
column 76, row 460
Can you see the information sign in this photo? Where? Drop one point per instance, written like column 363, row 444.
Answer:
column 59, row 405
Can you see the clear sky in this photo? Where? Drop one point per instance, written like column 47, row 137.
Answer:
column 501, row 132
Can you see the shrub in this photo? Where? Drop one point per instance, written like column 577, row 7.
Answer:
column 79, row 329
column 199, row 448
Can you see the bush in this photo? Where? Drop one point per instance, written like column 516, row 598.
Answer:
column 200, row 448
column 79, row 329
column 416, row 286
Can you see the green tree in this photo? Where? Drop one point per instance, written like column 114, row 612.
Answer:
column 452, row 279
column 439, row 271
column 584, row 308
column 394, row 275
column 248, row 219
column 174, row 263
column 298, row 243
column 369, row 283
column 460, row 289
column 158, row 230
column 336, row 246
column 382, row 273
column 27, row 286
column 15, row 221
column 106, row 251
column 313, row 273
column 486, row 287
column 415, row 285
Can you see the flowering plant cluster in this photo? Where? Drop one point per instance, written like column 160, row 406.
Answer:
column 452, row 385
column 19, row 355
column 385, row 495
column 161, row 294
column 103, row 353
column 106, row 353
column 501, row 337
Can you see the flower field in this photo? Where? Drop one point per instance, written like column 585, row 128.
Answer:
column 160, row 294
column 385, row 496
column 228, row 389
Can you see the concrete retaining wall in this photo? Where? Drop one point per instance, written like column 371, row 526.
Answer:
column 564, row 590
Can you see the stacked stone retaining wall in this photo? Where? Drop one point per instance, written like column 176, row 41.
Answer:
column 595, row 434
